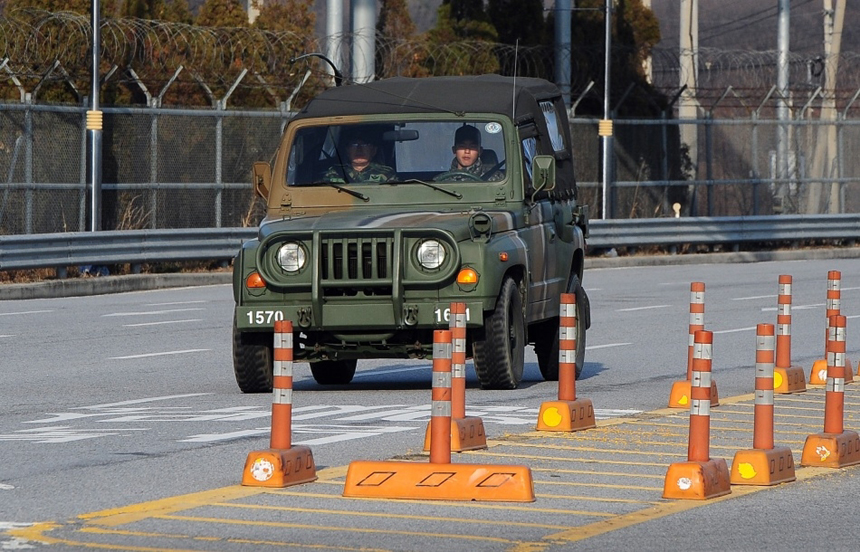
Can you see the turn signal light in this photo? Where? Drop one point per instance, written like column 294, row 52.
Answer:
column 467, row 276
column 254, row 281
column 503, row 256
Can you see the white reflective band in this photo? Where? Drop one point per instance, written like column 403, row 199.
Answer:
column 697, row 296
column 567, row 333
column 702, row 351
column 700, row 407
column 784, row 309
column 764, row 370
column 783, row 329
column 697, row 319
column 764, row 342
column 835, row 359
column 441, row 379
column 764, row 397
column 566, row 356
column 458, row 370
column 700, row 379
column 282, row 396
column 459, row 346
column 833, row 304
column 785, row 289
column 459, row 320
column 840, row 333
column 442, row 350
column 282, row 368
column 440, row 408
column 833, row 285
column 283, row 340
column 568, row 310
column 837, row 385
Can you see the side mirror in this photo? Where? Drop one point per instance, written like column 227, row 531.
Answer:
column 262, row 175
column 543, row 173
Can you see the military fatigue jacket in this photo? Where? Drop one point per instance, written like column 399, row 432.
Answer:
column 477, row 168
column 374, row 172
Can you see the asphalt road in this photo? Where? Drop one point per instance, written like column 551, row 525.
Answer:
column 122, row 428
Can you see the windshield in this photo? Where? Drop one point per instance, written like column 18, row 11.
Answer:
column 440, row 151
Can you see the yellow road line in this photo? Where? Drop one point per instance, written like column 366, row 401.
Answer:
column 583, row 460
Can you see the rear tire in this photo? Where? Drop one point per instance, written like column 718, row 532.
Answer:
column 500, row 356
column 546, row 336
column 333, row 372
column 252, row 360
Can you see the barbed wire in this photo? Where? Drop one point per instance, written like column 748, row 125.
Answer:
column 38, row 46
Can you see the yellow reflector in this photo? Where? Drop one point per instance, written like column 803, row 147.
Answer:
column 254, row 281
column 467, row 276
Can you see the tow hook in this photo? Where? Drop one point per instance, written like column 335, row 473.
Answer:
column 304, row 317
column 410, row 315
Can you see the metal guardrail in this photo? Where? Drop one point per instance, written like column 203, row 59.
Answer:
column 58, row 251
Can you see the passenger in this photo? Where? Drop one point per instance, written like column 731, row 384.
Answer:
column 361, row 168
column 467, row 154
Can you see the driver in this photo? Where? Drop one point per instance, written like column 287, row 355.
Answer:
column 467, row 154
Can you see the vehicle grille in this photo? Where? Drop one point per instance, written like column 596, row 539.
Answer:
column 349, row 266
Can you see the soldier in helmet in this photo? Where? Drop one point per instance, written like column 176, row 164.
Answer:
column 360, row 151
column 467, row 154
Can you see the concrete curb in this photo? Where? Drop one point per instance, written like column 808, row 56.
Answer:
column 100, row 285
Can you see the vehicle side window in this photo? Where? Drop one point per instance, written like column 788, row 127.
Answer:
column 529, row 152
column 556, row 135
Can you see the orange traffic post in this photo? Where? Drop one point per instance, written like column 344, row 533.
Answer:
column 701, row 477
column 818, row 375
column 786, row 378
column 764, row 464
column 439, row 479
column 281, row 465
column 679, row 396
column 567, row 413
column 836, row 447
column 467, row 432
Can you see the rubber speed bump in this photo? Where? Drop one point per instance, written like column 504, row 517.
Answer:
column 567, row 413
column 281, row 465
column 439, row 479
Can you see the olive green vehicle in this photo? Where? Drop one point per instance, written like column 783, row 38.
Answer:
column 367, row 268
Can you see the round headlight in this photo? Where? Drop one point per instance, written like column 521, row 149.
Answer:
column 291, row 257
column 431, row 254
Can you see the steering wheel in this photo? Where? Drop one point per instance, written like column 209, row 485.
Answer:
column 457, row 176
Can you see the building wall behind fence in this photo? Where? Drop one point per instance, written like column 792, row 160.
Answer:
column 170, row 168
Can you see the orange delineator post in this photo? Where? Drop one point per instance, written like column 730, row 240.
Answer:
column 818, row 375
column 567, row 413
column 282, row 464
column 701, row 477
column 467, row 433
column 765, row 464
column 835, row 447
column 679, row 396
column 786, row 378
column 439, row 479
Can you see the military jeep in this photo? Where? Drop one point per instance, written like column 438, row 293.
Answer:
column 368, row 268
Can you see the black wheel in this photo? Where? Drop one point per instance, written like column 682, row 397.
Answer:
column 333, row 372
column 499, row 357
column 457, row 176
column 546, row 336
column 252, row 360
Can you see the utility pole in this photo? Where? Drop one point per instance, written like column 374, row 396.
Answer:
column 333, row 33
column 562, row 48
column 363, row 14
column 94, row 127
column 783, row 42
column 689, row 57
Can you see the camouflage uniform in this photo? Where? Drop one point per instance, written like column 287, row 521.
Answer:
column 373, row 173
column 476, row 168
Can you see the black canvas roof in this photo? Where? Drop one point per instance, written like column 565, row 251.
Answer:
column 481, row 94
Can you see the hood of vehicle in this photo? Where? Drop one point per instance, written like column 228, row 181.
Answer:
column 456, row 223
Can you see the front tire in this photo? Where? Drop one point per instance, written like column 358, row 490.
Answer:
column 333, row 372
column 500, row 356
column 546, row 336
column 252, row 360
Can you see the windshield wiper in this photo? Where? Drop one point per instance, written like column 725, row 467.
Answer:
column 453, row 193
column 340, row 188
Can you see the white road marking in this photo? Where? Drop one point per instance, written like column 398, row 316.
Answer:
column 606, row 346
column 795, row 307
column 141, row 401
column 63, row 434
column 643, row 308
column 5, row 487
column 148, row 313
column 161, row 323
column 754, row 297
column 7, row 335
column 176, row 303
column 25, row 312
column 392, row 371
column 148, row 355
column 735, row 330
